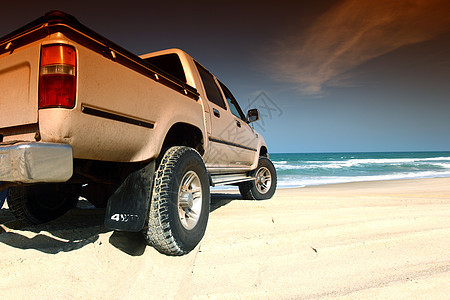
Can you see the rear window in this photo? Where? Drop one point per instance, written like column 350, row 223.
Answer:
column 169, row 63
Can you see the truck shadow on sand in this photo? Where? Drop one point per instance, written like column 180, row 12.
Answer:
column 74, row 230
column 77, row 229
column 221, row 199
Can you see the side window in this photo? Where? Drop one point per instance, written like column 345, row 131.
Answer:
column 212, row 90
column 169, row 63
column 232, row 103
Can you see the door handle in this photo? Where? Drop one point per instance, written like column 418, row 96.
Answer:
column 238, row 124
column 216, row 112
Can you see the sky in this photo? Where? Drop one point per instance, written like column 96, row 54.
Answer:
column 327, row 76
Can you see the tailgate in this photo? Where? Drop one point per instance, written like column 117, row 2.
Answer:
column 19, row 87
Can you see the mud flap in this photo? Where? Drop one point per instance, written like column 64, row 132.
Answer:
column 128, row 207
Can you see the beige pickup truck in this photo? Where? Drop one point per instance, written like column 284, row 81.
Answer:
column 143, row 136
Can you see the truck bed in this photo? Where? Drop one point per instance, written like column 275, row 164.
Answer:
column 117, row 114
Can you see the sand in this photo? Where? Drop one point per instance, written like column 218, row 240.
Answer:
column 382, row 240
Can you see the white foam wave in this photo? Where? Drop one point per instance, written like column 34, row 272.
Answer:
column 396, row 160
column 442, row 165
column 291, row 167
column 300, row 181
column 307, row 167
column 435, row 158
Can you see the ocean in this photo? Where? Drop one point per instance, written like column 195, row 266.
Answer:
column 305, row 169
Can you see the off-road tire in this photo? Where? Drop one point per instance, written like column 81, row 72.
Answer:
column 42, row 203
column 165, row 230
column 255, row 189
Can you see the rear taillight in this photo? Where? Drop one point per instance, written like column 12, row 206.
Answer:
column 57, row 78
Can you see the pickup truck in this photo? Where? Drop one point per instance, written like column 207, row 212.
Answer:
column 144, row 136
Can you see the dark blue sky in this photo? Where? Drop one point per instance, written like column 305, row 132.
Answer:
column 331, row 76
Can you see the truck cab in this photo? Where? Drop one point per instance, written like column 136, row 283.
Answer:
column 232, row 144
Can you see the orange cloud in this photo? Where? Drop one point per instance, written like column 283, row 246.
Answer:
column 353, row 32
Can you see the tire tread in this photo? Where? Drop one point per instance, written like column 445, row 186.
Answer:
column 17, row 203
column 158, row 232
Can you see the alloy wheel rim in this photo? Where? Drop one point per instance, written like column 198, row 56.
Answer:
column 263, row 180
column 190, row 200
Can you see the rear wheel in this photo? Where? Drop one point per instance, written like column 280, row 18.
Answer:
column 265, row 183
column 179, row 207
column 42, row 203
column 3, row 197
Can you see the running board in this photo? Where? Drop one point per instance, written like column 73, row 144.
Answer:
column 229, row 179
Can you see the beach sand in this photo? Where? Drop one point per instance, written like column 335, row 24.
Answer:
column 385, row 239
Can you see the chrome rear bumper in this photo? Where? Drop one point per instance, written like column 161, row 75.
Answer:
column 27, row 162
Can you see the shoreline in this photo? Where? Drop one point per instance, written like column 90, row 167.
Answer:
column 235, row 188
column 368, row 182
column 310, row 169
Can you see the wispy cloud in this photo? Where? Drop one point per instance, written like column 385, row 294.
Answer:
column 351, row 33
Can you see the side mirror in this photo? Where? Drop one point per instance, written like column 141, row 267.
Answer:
column 252, row 115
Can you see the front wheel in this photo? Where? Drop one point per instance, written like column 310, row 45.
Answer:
column 179, row 207
column 265, row 183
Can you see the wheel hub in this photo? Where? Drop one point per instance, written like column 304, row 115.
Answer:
column 186, row 200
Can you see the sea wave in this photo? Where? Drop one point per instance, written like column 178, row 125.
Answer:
column 304, row 169
column 282, row 162
column 395, row 160
column 308, row 167
column 301, row 181
column 443, row 165
column 407, row 162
